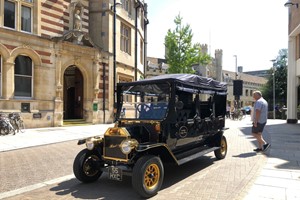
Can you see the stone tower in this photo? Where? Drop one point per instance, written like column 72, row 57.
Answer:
column 218, row 63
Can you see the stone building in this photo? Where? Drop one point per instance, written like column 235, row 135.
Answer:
column 250, row 84
column 155, row 67
column 56, row 57
column 293, row 75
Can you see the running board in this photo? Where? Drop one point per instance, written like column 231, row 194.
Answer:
column 196, row 155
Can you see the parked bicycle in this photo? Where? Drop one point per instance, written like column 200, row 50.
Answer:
column 11, row 123
column 17, row 122
column 238, row 115
column 5, row 125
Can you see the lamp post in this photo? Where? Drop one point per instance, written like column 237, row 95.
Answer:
column 236, row 73
column 236, row 97
column 273, row 61
column 113, row 7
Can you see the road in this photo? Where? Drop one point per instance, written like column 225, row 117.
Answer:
column 45, row 172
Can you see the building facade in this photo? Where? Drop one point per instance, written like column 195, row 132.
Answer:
column 250, row 84
column 56, row 58
column 293, row 60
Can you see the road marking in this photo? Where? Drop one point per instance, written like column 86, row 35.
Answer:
column 35, row 186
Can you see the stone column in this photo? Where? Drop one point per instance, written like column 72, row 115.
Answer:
column 95, row 105
column 58, row 103
column 8, row 80
column 292, row 83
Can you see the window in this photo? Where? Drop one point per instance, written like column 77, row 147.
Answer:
column 18, row 19
column 142, row 19
column 142, row 52
column 247, row 93
column 9, row 14
column 125, row 39
column 26, row 19
column 126, row 5
column 23, row 76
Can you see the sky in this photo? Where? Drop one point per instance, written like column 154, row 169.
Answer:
column 253, row 30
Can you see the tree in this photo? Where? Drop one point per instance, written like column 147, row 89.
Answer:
column 280, row 66
column 181, row 54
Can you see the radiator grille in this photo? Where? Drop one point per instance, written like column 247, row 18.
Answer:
column 112, row 148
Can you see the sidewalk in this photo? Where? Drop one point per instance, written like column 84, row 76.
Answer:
column 280, row 177
column 43, row 136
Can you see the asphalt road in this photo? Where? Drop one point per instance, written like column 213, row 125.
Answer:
column 46, row 173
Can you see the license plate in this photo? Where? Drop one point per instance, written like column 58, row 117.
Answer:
column 115, row 173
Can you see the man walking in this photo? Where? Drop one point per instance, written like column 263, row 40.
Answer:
column 260, row 116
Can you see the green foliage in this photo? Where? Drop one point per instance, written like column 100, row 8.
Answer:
column 181, row 54
column 280, row 66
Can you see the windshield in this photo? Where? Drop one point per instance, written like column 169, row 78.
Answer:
column 149, row 102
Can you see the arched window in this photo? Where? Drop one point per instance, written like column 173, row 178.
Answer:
column 23, row 76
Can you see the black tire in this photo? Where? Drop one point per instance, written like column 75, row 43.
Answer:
column 4, row 130
column 85, row 166
column 222, row 151
column 148, row 175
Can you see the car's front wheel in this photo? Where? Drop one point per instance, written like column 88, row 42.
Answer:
column 148, row 174
column 86, row 166
column 222, row 151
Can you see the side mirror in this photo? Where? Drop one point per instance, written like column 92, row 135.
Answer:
column 179, row 105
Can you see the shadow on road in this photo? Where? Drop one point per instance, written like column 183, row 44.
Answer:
column 107, row 189
column 245, row 155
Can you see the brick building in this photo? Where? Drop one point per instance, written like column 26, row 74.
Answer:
column 56, row 57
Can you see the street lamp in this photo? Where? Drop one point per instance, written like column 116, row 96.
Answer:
column 273, row 61
column 113, row 7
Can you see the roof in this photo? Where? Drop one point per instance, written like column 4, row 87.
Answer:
column 246, row 77
column 186, row 80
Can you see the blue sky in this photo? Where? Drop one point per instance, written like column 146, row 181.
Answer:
column 254, row 30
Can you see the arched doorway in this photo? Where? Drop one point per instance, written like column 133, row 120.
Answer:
column 73, row 93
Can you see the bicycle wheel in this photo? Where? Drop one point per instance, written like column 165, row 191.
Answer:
column 241, row 115
column 4, row 130
column 21, row 126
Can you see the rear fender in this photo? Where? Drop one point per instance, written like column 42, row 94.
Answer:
column 215, row 141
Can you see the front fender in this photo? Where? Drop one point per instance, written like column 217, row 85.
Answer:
column 82, row 141
column 158, row 149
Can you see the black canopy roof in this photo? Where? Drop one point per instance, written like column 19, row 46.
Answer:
column 188, row 80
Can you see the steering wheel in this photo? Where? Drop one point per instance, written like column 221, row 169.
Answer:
column 141, row 107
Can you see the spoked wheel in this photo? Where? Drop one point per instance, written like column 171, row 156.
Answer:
column 4, row 130
column 21, row 126
column 86, row 166
column 221, row 153
column 148, row 174
column 241, row 115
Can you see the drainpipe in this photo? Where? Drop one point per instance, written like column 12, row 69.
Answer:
column 136, row 40
column 104, row 92
column 145, row 36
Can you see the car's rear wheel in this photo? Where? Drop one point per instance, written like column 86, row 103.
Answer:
column 222, row 151
column 86, row 166
column 147, row 176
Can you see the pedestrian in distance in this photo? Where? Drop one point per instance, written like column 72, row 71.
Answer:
column 260, row 116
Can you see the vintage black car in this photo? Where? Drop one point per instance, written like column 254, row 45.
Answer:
column 165, row 119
